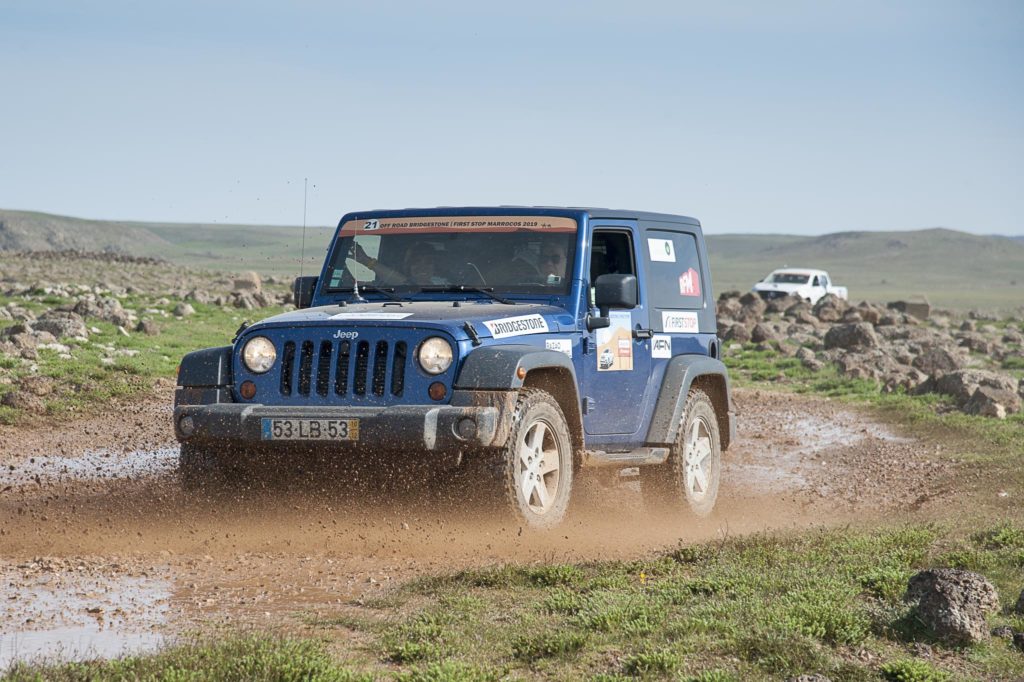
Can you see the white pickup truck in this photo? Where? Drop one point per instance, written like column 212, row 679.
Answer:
column 809, row 285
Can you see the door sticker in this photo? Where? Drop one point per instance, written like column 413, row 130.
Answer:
column 679, row 322
column 689, row 283
column 661, row 250
column 661, row 346
column 615, row 344
column 516, row 326
column 559, row 345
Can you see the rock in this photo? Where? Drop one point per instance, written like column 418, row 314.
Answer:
column 244, row 301
column 262, row 299
column 184, row 310
column 62, row 324
column 198, row 296
column 967, row 326
column 728, row 308
column 1003, row 632
column 810, row 678
column 147, row 327
column 762, row 332
column 247, row 282
column 952, row 603
column 938, row 360
column 783, row 303
column 753, row 305
column 963, row 383
column 737, row 332
column 37, row 385
column 859, row 335
column 1018, row 641
column 22, row 400
column 830, row 308
column 992, row 402
column 1018, row 608
column 921, row 311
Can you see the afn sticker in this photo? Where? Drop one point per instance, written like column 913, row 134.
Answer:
column 370, row 316
column 661, row 250
column 685, row 323
column 559, row 345
column 661, row 346
column 517, row 326
column 689, row 283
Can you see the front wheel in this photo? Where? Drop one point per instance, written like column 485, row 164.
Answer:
column 537, row 462
column 690, row 477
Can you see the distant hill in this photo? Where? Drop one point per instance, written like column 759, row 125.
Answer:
column 266, row 248
column 952, row 269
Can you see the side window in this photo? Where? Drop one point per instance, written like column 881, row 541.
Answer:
column 824, row 281
column 673, row 267
column 815, row 283
column 611, row 253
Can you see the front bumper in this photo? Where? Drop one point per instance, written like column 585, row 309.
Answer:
column 428, row 427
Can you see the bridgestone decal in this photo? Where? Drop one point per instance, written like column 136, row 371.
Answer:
column 517, row 326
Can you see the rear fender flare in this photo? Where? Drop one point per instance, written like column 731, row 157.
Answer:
column 680, row 375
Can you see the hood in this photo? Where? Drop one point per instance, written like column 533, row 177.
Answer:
column 490, row 318
column 772, row 286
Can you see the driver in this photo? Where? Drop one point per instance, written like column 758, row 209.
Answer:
column 552, row 261
column 419, row 266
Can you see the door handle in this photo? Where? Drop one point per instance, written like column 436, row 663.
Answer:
column 643, row 333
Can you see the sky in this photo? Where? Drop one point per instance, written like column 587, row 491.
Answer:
column 793, row 117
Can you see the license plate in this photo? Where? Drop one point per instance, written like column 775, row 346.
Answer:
column 310, row 429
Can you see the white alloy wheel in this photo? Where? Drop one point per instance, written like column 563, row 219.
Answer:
column 538, row 467
column 537, row 461
column 697, row 454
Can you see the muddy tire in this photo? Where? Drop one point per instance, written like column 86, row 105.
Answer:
column 536, row 464
column 689, row 479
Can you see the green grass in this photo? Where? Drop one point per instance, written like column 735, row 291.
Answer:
column 765, row 607
column 84, row 381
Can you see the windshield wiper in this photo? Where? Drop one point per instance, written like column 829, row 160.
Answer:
column 370, row 289
column 460, row 288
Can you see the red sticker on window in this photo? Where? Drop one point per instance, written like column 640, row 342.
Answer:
column 689, row 283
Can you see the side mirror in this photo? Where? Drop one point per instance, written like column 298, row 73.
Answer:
column 303, row 289
column 612, row 291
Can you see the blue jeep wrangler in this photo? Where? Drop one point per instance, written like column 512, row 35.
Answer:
column 532, row 342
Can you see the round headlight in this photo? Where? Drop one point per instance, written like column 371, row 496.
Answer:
column 435, row 355
column 259, row 354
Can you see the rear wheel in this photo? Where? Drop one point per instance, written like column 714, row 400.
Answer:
column 689, row 479
column 537, row 461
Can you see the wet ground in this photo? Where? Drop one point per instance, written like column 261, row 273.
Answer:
column 102, row 553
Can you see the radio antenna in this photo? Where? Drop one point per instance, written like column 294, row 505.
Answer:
column 302, row 252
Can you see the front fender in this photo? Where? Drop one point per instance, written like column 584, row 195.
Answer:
column 496, row 368
column 680, row 374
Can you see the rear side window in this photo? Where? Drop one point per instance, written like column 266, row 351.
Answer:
column 674, row 270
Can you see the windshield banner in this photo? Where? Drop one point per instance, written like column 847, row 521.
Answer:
column 435, row 224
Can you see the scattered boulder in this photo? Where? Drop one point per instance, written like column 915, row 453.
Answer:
column 963, row 383
column 921, row 311
column 1018, row 608
column 37, row 385
column 952, row 603
column 23, row 400
column 858, row 335
column 184, row 310
column 147, row 327
column 247, row 282
column 830, row 308
column 737, row 332
column 62, row 324
column 987, row 401
column 938, row 360
column 762, row 333
column 1003, row 632
column 753, row 305
column 1018, row 641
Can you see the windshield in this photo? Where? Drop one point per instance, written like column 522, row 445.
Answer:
column 789, row 278
column 510, row 254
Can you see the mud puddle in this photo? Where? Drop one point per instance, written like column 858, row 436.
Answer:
column 89, row 466
column 75, row 610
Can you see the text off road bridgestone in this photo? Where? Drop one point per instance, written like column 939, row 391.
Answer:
column 689, row 479
column 537, row 461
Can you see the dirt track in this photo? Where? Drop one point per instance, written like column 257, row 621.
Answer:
column 100, row 549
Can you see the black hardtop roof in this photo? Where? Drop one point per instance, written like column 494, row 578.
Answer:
column 593, row 212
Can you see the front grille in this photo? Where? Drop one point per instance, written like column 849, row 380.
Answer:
column 376, row 367
column 769, row 295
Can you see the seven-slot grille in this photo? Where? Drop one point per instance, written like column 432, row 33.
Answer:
column 343, row 367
